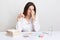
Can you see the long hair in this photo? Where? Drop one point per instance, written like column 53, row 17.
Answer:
column 27, row 6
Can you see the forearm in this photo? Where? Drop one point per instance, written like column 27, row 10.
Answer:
column 36, row 25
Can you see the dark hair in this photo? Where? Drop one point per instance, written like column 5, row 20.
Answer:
column 27, row 6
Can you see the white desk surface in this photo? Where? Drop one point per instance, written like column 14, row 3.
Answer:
column 33, row 36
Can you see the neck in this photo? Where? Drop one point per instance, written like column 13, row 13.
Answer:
column 27, row 18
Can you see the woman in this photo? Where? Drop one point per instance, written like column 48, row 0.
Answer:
column 28, row 22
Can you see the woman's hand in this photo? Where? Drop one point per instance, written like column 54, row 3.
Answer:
column 33, row 15
column 20, row 16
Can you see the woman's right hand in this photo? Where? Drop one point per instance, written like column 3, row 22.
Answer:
column 20, row 16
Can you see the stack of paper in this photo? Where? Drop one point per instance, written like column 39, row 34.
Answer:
column 12, row 32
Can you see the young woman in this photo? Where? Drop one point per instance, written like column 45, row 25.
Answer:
column 28, row 22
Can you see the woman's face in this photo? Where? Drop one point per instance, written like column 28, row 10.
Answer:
column 30, row 9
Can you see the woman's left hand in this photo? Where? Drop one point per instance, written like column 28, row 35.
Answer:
column 33, row 15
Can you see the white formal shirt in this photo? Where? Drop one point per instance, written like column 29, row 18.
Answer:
column 24, row 25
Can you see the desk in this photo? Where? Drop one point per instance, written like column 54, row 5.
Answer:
column 33, row 36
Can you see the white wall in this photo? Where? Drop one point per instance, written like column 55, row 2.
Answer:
column 48, row 12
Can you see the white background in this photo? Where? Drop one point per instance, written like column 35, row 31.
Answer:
column 48, row 12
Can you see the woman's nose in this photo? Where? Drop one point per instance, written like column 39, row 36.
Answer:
column 31, row 10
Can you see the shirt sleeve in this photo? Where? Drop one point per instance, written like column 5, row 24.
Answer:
column 36, row 25
column 19, row 25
